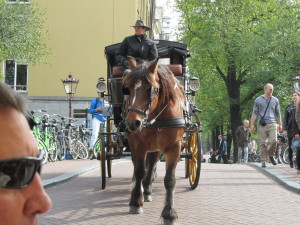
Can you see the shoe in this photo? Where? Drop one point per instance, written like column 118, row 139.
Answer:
column 91, row 154
column 291, row 164
column 263, row 165
column 272, row 160
column 298, row 171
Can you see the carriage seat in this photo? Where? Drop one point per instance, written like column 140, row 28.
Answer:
column 176, row 69
column 117, row 71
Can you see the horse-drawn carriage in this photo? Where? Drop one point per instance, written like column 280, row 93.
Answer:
column 153, row 110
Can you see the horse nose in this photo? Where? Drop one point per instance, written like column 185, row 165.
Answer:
column 135, row 125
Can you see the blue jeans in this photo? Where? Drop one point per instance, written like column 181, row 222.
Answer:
column 240, row 153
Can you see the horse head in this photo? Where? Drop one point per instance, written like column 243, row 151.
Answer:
column 141, row 87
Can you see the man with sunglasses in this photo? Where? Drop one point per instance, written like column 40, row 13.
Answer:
column 267, row 109
column 22, row 196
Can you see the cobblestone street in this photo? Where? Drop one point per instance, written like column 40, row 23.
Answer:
column 227, row 194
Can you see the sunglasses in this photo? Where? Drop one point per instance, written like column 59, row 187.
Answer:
column 18, row 173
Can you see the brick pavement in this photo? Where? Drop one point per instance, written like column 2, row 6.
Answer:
column 282, row 173
column 287, row 171
column 227, row 194
column 52, row 170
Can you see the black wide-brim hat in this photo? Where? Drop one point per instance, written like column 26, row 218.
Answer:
column 141, row 23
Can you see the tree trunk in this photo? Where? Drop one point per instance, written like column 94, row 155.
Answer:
column 233, row 89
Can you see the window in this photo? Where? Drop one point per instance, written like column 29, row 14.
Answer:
column 16, row 74
column 18, row 1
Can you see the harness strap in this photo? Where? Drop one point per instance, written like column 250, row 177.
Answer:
column 167, row 123
column 136, row 110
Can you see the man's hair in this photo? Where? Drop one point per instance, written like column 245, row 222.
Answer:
column 267, row 84
column 245, row 120
column 11, row 99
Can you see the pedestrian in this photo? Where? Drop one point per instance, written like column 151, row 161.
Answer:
column 22, row 196
column 298, row 150
column 289, row 126
column 267, row 109
column 252, row 149
column 222, row 151
column 96, row 109
column 138, row 46
column 243, row 135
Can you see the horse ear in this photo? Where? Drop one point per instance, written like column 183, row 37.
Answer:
column 153, row 66
column 131, row 62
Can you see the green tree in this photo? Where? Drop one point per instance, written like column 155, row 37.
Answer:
column 22, row 35
column 237, row 46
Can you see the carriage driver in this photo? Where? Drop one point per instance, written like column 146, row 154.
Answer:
column 139, row 46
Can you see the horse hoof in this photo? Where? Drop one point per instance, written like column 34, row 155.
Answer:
column 135, row 210
column 147, row 198
column 170, row 222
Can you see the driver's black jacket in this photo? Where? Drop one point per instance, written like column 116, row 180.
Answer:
column 139, row 47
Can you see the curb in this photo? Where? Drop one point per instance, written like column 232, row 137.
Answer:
column 68, row 176
column 283, row 180
column 71, row 175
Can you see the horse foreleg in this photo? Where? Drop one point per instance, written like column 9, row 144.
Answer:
column 169, row 213
column 151, row 161
column 136, row 200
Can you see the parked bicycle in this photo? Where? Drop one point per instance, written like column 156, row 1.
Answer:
column 69, row 139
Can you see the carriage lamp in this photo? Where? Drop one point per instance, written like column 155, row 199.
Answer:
column 296, row 82
column 101, row 86
column 70, row 85
column 194, row 84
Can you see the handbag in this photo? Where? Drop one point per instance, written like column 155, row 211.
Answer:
column 295, row 144
column 262, row 120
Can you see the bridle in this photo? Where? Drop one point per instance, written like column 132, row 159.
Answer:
column 144, row 113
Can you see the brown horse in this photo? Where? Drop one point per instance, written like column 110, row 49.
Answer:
column 155, row 123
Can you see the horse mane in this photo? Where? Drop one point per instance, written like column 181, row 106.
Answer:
column 168, row 83
column 167, row 80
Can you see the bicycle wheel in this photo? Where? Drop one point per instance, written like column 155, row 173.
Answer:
column 61, row 151
column 52, row 151
column 42, row 147
column 96, row 147
column 285, row 157
column 79, row 149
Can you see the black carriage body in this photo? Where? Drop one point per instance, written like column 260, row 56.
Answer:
column 174, row 54
column 113, row 141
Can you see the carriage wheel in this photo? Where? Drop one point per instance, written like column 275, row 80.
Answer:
column 102, row 157
column 186, row 163
column 109, row 145
column 194, row 163
column 103, row 167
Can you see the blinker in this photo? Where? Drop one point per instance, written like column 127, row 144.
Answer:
column 125, row 90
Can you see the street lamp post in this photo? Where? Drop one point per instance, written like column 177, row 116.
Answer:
column 70, row 85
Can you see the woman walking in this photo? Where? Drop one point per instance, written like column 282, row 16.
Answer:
column 290, row 127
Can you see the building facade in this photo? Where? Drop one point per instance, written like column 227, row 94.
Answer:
column 78, row 31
